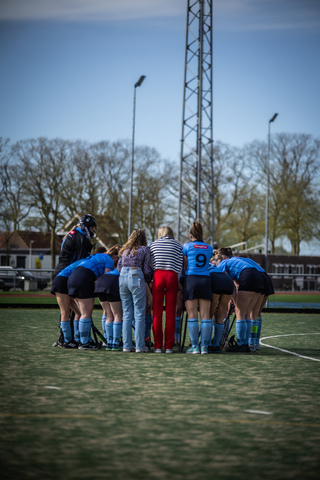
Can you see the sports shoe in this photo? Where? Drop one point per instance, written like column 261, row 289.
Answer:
column 238, row 349
column 128, row 350
column 193, row 350
column 169, row 350
column 116, row 348
column 88, row 346
column 70, row 345
column 109, row 347
column 214, row 349
column 204, row 350
column 253, row 348
column 157, row 350
column 142, row 350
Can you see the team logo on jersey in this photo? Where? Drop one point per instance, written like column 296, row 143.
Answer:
column 72, row 232
column 202, row 247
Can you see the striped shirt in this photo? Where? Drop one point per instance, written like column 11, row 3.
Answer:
column 166, row 254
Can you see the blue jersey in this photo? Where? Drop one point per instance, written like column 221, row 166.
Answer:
column 97, row 263
column 198, row 255
column 253, row 264
column 234, row 266
column 212, row 267
column 66, row 272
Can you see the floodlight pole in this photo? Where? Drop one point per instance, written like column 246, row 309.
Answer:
column 30, row 253
column 267, row 194
column 137, row 84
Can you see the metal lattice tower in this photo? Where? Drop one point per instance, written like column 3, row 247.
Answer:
column 196, row 164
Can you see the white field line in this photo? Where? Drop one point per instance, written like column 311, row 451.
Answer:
column 287, row 351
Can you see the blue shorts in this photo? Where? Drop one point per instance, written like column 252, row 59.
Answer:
column 251, row 280
column 197, row 287
column 268, row 285
column 81, row 283
column 107, row 288
column 59, row 285
column 221, row 283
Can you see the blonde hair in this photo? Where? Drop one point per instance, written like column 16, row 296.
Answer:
column 165, row 232
column 196, row 231
column 73, row 228
column 114, row 250
column 136, row 240
column 216, row 256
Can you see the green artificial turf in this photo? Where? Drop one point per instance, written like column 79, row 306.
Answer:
column 110, row 415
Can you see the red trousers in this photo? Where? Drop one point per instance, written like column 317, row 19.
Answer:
column 164, row 286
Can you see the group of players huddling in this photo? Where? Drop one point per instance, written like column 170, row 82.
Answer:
column 136, row 280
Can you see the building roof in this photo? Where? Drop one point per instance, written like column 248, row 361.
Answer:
column 21, row 240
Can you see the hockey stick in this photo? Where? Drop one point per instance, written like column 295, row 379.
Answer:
column 226, row 329
column 96, row 332
column 183, row 330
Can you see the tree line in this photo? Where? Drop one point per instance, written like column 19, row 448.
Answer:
column 45, row 182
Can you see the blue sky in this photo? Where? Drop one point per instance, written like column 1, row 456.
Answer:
column 68, row 69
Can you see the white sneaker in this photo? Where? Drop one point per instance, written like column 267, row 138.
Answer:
column 142, row 350
column 128, row 350
column 168, row 350
column 158, row 350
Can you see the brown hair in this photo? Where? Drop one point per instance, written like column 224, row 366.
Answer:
column 137, row 239
column 227, row 251
column 196, row 231
column 165, row 232
column 100, row 250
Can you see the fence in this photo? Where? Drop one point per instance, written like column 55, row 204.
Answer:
column 31, row 288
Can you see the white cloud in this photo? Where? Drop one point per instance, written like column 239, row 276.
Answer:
column 228, row 14
column 93, row 10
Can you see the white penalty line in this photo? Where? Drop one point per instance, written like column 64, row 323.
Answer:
column 288, row 351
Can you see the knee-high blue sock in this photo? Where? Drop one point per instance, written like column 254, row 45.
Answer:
column 241, row 329
column 218, row 331
column 177, row 329
column 253, row 333
column 193, row 328
column 248, row 331
column 66, row 330
column 257, row 340
column 103, row 322
column 206, row 330
column 76, row 332
column 117, row 329
column 109, row 333
column 85, row 329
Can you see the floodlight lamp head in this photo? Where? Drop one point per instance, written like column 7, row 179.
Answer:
column 139, row 82
column 273, row 118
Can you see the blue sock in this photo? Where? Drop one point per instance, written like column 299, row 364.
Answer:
column 85, row 329
column 206, row 330
column 248, row 331
column 109, row 333
column 193, row 328
column 117, row 329
column 76, row 332
column 103, row 322
column 66, row 330
column 218, row 331
column 253, row 333
column 258, row 331
column 241, row 329
column 178, row 327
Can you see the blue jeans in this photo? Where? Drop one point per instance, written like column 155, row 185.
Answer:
column 133, row 297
